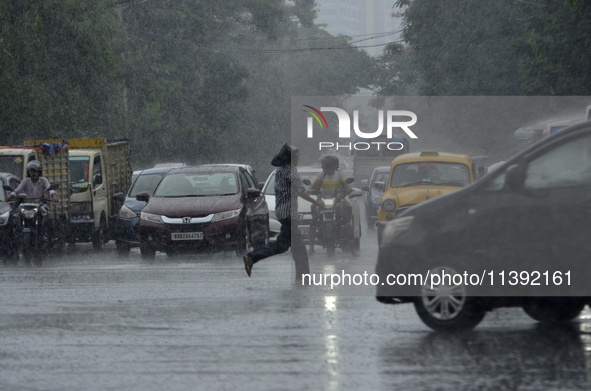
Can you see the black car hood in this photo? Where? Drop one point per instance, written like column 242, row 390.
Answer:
column 135, row 205
column 192, row 206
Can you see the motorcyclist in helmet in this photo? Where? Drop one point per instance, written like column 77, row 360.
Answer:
column 330, row 179
column 34, row 185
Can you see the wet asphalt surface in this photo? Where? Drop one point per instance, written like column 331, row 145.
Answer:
column 87, row 321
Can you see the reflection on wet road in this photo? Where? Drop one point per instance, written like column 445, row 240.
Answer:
column 97, row 322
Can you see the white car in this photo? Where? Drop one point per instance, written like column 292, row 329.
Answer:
column 304, row 207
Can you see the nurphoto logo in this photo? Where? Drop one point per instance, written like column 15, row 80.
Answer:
column 392, row 118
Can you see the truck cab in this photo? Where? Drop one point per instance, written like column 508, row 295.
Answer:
column 89, row 196
column 14, row 160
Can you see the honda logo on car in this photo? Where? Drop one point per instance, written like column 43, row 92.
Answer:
column 392, row 123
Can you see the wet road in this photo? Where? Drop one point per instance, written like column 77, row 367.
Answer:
column 91, row 321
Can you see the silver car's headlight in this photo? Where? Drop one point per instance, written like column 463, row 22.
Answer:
column 4, row 218
column 226, row 215
column 395, row 227
column 126, row 213
column 151, row 217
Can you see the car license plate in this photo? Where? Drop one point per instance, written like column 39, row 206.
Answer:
column 186, row 235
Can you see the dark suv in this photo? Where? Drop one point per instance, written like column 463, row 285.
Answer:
column 517, row 237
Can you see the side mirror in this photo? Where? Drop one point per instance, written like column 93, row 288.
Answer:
column 260, row 185
column 356, row 193
column 253, row 193
column 365, row 187
column 515, row 177
column 119, row 197
column 379, row 185
column 307, row 182
column 143, row 196
column 97, row 179
column 350, row 180
column 364, row 182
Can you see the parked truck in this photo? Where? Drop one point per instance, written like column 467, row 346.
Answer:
column 98, row 168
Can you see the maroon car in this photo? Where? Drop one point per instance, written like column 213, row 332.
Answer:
column 204, row 209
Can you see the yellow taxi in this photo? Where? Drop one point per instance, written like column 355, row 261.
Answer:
column 417, row 177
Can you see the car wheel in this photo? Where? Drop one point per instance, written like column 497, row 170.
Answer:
column 370, row 223
column 357, row 241
column 98, row 238
column 246, row 245
column 9, row 253
column 330, row 250
column 553, row 309
column 123, row 249
column 148, row 253
column 10, row 257
column 447, row 308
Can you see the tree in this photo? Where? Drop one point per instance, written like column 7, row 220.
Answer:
column 558, row 42
column 462, row 47
column 58, row 69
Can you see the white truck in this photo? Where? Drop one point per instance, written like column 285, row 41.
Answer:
column 98, row 168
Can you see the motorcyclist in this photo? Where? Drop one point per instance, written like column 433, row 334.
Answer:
column 330, row 179
column 34, row 186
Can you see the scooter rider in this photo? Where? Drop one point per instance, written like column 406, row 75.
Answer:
column 330, row 179
column 35, row 185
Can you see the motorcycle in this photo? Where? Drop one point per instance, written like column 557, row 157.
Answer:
column 333, row 229
column 32, row 239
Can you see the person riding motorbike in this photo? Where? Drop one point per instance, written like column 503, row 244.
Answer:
column 34, row 186
column 330, row 179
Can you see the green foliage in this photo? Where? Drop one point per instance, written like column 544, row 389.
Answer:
column 191, row 80
column 558, row 42
column 500, row 47
column 58, row 69
column 462, row 47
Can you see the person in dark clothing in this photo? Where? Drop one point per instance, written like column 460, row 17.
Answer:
column 288, row 186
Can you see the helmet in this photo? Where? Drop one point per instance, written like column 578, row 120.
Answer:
column 330, row 162
column 34, row 165
column 283, row 156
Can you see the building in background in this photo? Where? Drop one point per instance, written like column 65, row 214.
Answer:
column 369, row 23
